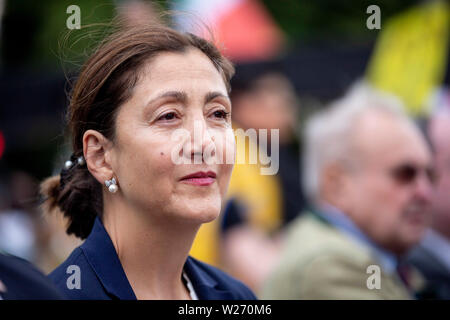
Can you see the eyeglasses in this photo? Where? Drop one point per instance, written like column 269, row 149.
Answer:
column 408, row 173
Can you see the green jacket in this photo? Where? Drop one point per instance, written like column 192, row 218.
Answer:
column 320, row 262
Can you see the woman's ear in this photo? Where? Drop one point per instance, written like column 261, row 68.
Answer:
column 96, row 153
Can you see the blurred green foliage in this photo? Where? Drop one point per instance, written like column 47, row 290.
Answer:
column 35, row 33
column 330, row 19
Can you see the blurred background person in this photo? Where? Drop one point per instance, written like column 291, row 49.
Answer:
column 17, row 229
column 23, row 230
column 262, row 205
column 368, row 175
column 137, row 12
column 432, row 256
column 20, row 280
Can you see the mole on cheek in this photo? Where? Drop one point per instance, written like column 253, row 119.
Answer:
column 162, row 153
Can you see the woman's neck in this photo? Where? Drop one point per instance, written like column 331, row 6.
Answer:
column 152, row 252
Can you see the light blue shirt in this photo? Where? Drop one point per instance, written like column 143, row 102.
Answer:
column 338, row 219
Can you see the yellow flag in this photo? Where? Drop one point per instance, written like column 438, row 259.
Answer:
column 410, row 56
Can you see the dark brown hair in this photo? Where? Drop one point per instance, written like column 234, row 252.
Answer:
column 105, row 82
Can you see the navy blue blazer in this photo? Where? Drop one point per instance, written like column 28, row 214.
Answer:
column 20, row 280
column 102, row 276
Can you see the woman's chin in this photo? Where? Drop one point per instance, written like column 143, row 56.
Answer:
column 202, row 216
column 200, row 211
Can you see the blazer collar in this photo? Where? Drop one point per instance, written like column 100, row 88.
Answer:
column 102, row 257
column 206, row 287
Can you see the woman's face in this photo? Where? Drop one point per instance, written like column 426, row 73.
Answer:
column 177, row 118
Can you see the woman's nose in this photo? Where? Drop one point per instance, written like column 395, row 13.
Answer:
column 201, row 140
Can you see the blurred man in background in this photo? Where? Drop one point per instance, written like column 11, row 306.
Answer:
column 368, row 175
column 263, row 99
column 432, row 256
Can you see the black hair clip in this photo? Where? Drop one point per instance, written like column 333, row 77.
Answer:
column 69, row 164
column 73, row 161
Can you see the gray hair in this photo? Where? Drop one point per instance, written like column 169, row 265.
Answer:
column 328, row 133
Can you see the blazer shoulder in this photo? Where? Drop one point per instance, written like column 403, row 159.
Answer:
column 24, row 281
column 60, row 273
column 309, row 238
column 76, row 278
column 319, row 262
column 225, row 281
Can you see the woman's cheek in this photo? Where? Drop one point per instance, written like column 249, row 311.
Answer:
column 162, row 160
column 225, row 146
column 231, row 146
column 229, row 158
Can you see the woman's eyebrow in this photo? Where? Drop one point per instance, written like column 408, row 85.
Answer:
column 212, row 95
column 181, row 96
column 176, row 95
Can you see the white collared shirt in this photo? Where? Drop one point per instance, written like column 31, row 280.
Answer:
column 190, row 287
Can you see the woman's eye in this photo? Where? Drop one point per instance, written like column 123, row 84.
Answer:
column 221, row 114
column 168, row 116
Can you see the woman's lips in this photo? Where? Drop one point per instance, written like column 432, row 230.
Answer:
column 200, row 178
column 199, row 181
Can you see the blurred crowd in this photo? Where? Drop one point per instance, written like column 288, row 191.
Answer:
column 363, row 181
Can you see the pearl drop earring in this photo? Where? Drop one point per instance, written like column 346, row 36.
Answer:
column 112, row 185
